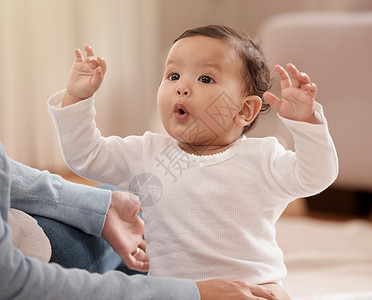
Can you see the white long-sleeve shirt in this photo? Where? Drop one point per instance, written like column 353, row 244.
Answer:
column 205, row 216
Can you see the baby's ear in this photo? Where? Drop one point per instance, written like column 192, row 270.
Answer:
column 250, row 110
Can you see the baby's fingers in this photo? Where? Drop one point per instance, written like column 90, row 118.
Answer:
column 295, row 74
column 304, row 78
column 78, row 55
column 285, row 80
column 311, row 89
column 97, row 78
column 88, row 50
column 272, row 100
column 102, row 63
column 92, row 61
column 96, row 63
column 299, row 79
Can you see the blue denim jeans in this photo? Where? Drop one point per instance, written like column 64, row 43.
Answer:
column 73, row 248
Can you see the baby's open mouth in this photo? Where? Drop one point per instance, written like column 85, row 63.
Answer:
column 180, row 109
column 181, row 112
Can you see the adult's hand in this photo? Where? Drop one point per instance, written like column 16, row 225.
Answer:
column 221, row 289
column 124, row 230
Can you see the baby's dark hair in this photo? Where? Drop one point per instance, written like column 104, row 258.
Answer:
column 256, row 73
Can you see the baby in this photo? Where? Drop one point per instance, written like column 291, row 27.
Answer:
column 210, row 195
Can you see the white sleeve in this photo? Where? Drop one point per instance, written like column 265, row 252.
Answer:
column 314, row 164
column 111, row 160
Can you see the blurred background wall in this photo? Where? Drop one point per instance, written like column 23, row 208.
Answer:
column 37, row 39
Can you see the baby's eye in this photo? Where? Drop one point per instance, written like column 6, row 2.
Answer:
column 206, row 79
column 174, row 76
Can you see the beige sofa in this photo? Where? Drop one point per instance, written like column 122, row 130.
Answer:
column 335, row 49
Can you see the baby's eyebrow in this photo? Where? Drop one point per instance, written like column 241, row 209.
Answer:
column 202, row 64
column 212, row 65
column 171, row 62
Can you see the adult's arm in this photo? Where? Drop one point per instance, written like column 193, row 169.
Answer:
column 45, row 194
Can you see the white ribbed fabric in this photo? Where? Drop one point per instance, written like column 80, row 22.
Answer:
column 206, row 216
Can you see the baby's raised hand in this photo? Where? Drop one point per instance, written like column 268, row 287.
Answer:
column 298, row 95
column 85, row 77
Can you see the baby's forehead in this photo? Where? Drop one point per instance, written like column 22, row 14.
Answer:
column 212, row 51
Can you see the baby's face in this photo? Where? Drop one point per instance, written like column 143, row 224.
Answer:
column 201, row 93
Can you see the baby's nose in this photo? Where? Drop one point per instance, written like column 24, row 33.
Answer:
column 182, row 91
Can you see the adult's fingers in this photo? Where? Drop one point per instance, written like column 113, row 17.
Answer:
column 263, row 292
